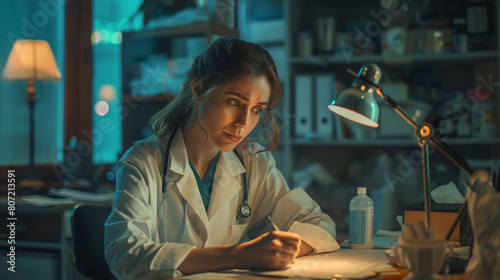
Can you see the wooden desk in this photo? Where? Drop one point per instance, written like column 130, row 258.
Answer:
column 239, row 276
column 41, row 241
column 347, row 261
column 243, row 276
column 43, row 237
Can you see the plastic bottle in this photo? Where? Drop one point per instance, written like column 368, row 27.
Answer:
column 361, row 221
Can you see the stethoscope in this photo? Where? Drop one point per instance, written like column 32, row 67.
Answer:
column 243, row 211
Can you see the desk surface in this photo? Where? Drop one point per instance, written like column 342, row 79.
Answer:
column 243, row 276
column 348, row 262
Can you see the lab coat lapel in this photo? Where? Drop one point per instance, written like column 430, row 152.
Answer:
column 226, row 183
column 188, row 188
column 186, row 185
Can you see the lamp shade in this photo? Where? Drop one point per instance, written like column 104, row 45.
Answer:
column 31, row 60
column 357, row 106
column 357, row 102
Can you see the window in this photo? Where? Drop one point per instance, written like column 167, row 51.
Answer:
column 110, row 19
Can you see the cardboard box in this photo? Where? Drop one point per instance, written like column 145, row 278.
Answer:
column 442, row 218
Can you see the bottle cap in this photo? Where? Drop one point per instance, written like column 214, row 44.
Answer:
column 361, row 190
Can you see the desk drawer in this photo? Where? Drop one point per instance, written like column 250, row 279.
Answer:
column 32, row 264
column 45, row 227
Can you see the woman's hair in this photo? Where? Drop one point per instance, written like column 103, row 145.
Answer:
column 221, row 64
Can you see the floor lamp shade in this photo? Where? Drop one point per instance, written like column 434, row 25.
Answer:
column 31, row 61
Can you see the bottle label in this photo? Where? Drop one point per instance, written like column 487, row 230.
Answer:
column 361, row 225
column 357, row 226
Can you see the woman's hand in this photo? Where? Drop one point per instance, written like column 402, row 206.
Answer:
column 272, row 250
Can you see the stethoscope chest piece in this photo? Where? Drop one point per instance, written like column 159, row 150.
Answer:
column 244, row 211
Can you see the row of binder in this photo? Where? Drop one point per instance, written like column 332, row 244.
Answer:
column 313, row 94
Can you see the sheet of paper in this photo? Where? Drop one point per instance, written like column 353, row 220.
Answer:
column 82, row 195
column 349, row 263
column 44, row 201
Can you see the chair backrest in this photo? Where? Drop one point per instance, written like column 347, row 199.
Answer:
column 87, row 225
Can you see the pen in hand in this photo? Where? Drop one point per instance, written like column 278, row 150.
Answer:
column 275, row 227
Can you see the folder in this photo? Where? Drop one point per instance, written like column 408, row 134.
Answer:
column 325, row 92
column 303, row 104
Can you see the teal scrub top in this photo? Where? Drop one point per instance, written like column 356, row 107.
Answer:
column 205, row 185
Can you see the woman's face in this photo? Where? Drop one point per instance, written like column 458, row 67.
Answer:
column 229, row 117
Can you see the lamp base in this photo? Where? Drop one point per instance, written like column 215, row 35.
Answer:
column 30, row 183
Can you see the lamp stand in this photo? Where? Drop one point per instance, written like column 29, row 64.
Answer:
column 426, row 177
column 425, row 135
column 31, row 98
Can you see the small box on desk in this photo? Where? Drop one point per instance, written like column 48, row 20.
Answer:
column 442, row 217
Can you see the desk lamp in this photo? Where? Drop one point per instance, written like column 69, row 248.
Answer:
column 30, row 61
column 358, row 104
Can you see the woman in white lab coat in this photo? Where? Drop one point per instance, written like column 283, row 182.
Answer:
column 194, row 197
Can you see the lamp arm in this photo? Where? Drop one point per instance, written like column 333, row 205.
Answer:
column 394, row 106
column 424, row 146
column 452, row 156
column 441, row 146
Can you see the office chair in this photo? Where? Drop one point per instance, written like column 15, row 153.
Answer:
column 87, row 226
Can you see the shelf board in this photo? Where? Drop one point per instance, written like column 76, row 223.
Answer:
column 324, row 60
column 469, row 56
column 402, row 142
column 160, row 97
column 183, row 31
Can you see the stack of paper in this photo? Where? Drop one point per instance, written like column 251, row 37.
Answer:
column 82, row 196
column 344, row 263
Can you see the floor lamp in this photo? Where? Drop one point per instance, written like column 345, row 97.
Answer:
column 30, row 61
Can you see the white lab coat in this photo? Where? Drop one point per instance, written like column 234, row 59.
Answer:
column 136, row 245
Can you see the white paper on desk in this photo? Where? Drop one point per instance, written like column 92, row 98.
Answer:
column 350, row 263
column 82, row 195
column 44, row 201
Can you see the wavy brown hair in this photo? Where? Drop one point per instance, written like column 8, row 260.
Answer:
column 222, row 63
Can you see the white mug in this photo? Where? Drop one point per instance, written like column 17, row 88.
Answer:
column 422, row 257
